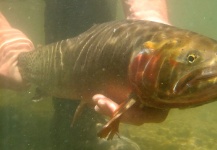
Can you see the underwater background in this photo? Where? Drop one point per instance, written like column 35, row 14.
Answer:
column 25, row 125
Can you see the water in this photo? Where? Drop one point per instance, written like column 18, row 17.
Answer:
column 25, row 125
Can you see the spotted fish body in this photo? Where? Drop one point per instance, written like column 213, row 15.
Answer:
column 157, row 65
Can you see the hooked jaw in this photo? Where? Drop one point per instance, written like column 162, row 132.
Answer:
column 196, row 88
column 197, row 79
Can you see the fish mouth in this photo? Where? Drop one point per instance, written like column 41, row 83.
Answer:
column 194, row 89
column 196, row 79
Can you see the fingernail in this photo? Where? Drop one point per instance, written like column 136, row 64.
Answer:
column 96, row 108
column 98, row 96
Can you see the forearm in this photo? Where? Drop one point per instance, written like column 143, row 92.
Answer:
column 12, row 43
column 153, row 10
column 11, row 39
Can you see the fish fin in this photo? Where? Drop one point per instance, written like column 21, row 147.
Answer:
column 111, row 128
column 78, row 112
column 39, row 95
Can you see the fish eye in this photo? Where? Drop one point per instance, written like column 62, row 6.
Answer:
column 191, row 58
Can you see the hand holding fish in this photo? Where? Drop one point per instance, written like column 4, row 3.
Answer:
column 12, row 43
column 135, row 116
column 16, row 42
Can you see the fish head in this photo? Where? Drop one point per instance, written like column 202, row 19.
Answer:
column 177, row 70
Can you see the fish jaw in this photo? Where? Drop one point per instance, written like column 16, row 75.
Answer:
column 194, row 89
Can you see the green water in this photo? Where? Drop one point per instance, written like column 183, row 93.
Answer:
column 25, row 125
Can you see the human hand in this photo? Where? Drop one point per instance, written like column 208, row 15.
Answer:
column 134, row 115
column 152, row 10
column 12, row 43
column 129, row 112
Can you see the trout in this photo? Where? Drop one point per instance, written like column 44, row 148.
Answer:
column 140, row 64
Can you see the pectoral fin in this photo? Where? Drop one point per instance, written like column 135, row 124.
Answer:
column 39, row 95
column 111, row 128
column 78, row 112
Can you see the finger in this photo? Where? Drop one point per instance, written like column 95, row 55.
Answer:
column 98, row 97
column 104, row 105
